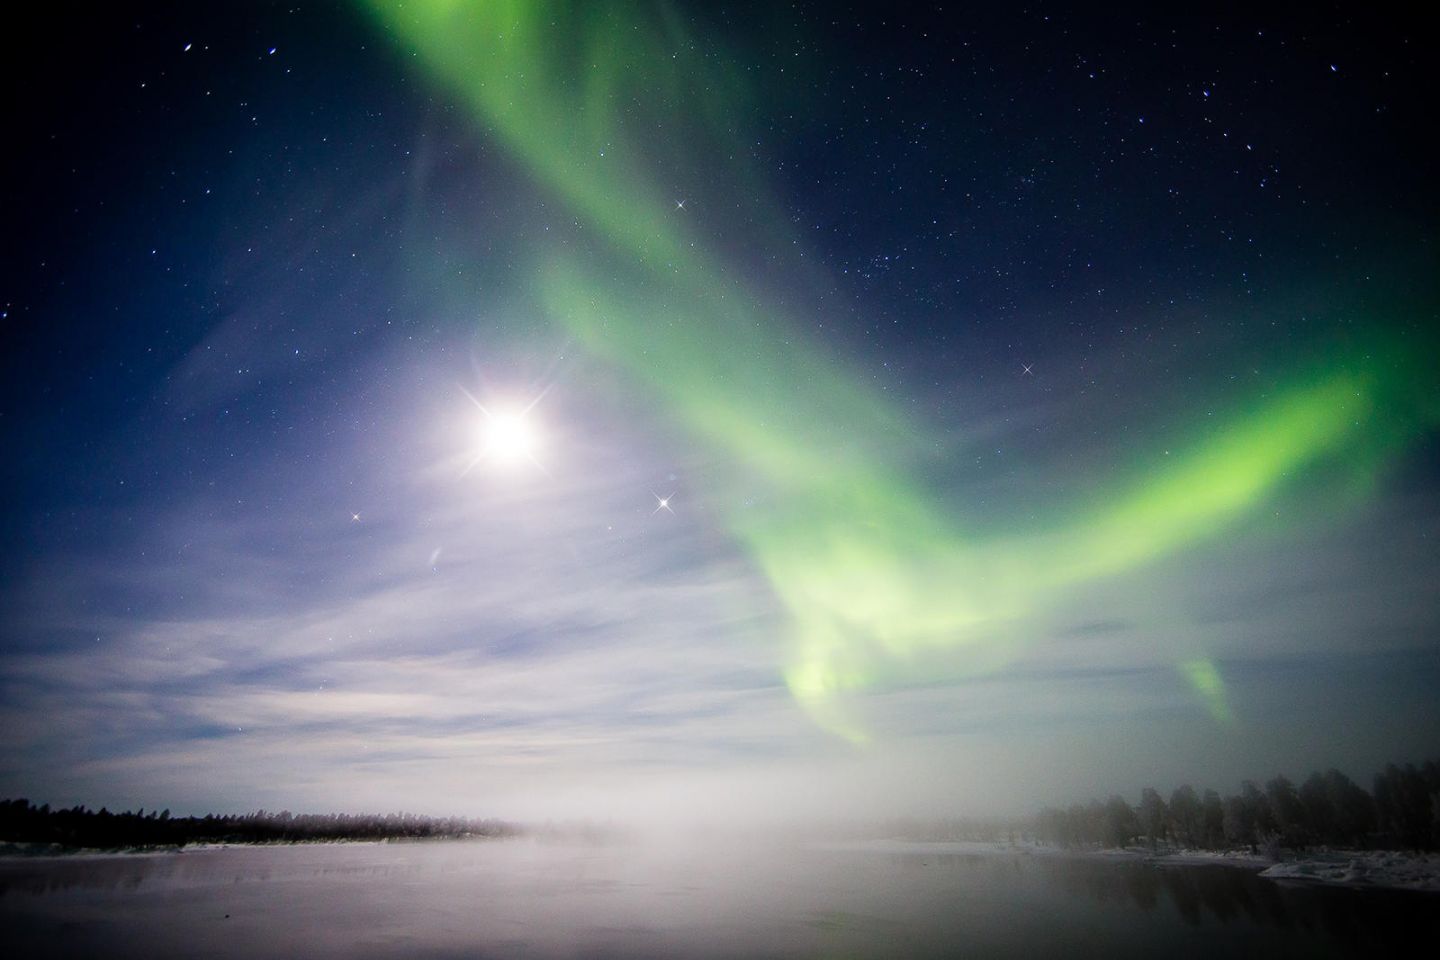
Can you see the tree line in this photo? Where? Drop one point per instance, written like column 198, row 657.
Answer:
column 1402, row 811
column 23, row 822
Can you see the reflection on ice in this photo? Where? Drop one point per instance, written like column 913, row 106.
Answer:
column 523, row 898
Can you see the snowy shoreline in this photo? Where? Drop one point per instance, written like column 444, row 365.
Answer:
column 55, row 851
column 1361, row 869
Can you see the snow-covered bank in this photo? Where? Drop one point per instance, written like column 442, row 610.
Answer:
column 1363, row 868
column 1355, row 868
column 1351, row 868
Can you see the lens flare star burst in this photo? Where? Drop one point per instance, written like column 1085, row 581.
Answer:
column 509, row 436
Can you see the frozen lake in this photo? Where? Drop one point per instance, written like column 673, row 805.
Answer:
column 523, row 898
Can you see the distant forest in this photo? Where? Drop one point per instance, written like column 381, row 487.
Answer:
column 1327, row 809
column 1402, row 811
column 22, row 822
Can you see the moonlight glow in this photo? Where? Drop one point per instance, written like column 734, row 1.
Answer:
column 509, row 438
column 508, row 435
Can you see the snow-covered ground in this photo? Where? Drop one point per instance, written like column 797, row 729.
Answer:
column 1408, row 871
column 1353, row 868
column 1367, row 868
column 1357, row 868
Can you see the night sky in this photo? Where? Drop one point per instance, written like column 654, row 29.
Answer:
column 600, row 409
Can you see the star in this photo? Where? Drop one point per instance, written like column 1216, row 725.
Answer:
column 661, row 503
column 354, row 518
column 1028, row 369
column 679, row 204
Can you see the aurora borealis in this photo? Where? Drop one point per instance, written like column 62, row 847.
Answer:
column 1028, row 391
column 870, row 568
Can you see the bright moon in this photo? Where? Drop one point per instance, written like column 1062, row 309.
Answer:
column 509, row 438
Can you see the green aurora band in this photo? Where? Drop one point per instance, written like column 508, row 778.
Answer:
column 606, row 104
